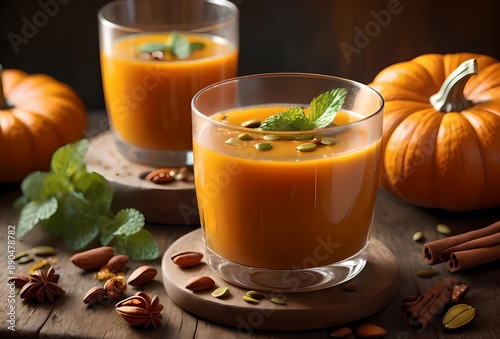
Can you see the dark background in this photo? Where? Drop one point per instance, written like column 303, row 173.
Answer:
column 320, row 36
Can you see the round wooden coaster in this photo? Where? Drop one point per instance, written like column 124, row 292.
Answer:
column 172, row 203
column 376, row 286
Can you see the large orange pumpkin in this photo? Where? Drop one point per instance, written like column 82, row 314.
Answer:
column 38, row 114
column 442, row 130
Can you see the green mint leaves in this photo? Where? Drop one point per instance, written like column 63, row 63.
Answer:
column 75, row 205
column 294, row 119
column 321, row 114
column 177, row 46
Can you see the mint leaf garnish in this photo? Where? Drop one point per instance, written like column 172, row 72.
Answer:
column 39, row 185
column 293, row 119
column 108, row 227
column 69, row 202
column 177, row 46
column 81, row 233
column 325, row 106
column 138, row 246
column 33, row 212
column 95, row 189
column 321, row 114
column 130, row 221
column 197, row 46
column 69, row 159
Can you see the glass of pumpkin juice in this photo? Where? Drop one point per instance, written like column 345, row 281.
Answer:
column 286, row 172
column 155, row 55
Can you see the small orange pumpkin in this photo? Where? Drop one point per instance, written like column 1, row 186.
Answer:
column 38, row 114
column 441, row 145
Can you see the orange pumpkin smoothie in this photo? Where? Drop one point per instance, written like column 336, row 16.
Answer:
column 280, row 208
column 148, row 101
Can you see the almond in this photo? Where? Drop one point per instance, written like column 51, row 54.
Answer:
column 116, row 263
column 341, row 332
column 370, row 331
column 187, row 259
column 95, row 295
column 199, row 283
column 93, row 258
column 142, row 275
column 160, row 176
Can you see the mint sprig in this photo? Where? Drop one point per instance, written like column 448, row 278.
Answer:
column 177, row 46
column 71, row 203
column 322, row 111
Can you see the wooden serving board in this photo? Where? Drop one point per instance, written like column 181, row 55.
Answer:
column 376, row 286
column 172, row 203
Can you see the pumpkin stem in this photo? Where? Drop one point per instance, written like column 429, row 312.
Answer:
column 3, row 101
column 451, row 94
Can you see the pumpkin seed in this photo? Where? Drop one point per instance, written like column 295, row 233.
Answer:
column 307, row 147
column 233, row 141
column 278, row 301
column 271, row 137
column 250, row 300
column 253, row 123
column 427, row 273
column 22, row 254
column 219, row 117
column 418, row 236
column 350, row 286
column 245, row 136
column 255, row 295
column 329, row 141
column 458, row 316
column 263, row 146
column 43, row 250
column 220, row 292
column 25, row 259
column 443, row 229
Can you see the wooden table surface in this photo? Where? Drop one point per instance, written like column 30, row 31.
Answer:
column 395, row 224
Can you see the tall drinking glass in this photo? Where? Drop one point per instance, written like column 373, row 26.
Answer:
column 285, row 210
column 155, row 55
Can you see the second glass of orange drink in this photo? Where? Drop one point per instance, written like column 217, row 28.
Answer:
column 155, row 55
column 286, row 172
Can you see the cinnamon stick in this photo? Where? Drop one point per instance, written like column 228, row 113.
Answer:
column 440, row 250
column 419, row 310
column 469, row 258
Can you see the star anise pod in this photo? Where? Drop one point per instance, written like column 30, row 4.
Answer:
column 140, row 310
column 42, row 285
